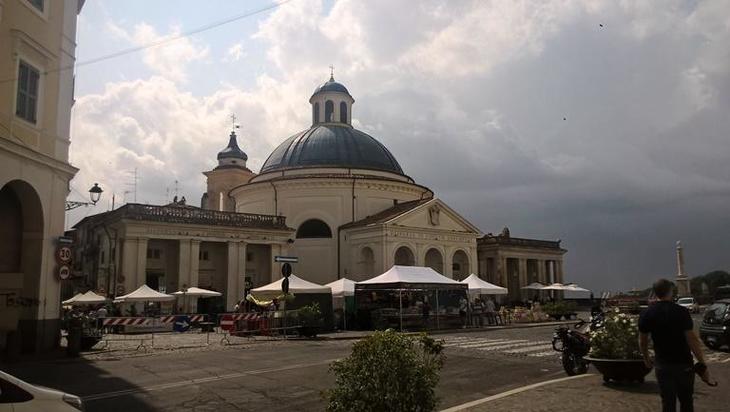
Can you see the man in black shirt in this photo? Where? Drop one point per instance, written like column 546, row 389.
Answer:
column 670, row 326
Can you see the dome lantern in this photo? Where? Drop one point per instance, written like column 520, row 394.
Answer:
column 331, row 103
column 232, row 155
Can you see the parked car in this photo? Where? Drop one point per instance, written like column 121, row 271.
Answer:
column 19, row 396
column 690, row 304
column 715, row 326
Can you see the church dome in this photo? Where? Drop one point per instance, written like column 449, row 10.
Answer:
column 232, row 151
column 331, row 86
column 331, row 145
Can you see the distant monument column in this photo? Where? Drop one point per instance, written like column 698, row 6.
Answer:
column 682, row 280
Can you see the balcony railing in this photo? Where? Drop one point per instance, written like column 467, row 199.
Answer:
column 515, row 241
column 194, row 215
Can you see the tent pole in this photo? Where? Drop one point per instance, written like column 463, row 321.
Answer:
column 400, row 304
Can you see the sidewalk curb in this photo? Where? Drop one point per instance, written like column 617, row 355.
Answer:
column 515, row 391
column 467, row 330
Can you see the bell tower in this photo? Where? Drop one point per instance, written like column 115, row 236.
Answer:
column 230, row 172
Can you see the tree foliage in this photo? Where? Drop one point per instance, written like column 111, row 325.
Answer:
column 388, row 371
column 712, row 280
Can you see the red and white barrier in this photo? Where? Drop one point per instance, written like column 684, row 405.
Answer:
column 228, row 320
column 126, row 321
column 197, row 318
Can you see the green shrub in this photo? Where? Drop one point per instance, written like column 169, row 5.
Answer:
column 311, row 315
column 388, row 371
column 618, row 338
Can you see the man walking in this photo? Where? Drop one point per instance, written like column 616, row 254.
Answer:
column 671, row 330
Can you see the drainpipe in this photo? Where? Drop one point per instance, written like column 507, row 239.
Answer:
column 276, row 199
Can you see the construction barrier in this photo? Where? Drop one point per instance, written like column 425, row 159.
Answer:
column 126, row 321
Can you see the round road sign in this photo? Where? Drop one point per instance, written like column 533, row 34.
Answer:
column 285, row 285
column 63, row 254
column 286, row 270
column 64, row 272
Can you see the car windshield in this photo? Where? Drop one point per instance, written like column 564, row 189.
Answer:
column 716, row 310
column 685, row 300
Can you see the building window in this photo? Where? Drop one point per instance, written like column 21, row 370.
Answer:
column 315, row 113
column 343, row 112
column 249, row 257
column 314, row 229
column 203, row 255
column 27, row 98
column 329, row 111
column 154, row 253
column 102, row 257
column 38, row 4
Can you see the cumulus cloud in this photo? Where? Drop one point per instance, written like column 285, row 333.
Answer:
column 235, row 53
column 168, row 55
column 602, row 123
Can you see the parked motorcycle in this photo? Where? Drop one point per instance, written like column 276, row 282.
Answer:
column 574, row 344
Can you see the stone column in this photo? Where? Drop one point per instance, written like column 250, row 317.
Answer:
column 236, row 277
column 522, row 276
column 141, row 264
column 503, row 271
column 129, row 265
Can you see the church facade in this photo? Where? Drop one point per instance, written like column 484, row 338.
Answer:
column 331, row 195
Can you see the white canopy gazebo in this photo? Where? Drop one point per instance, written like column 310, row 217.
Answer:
column 144, row 294
column 342, row 289
column 88, row 298
column 402, row 279
column 534, row 286
column 297, row 285
column 555, row 286
column 478, row 286
column 195, row 292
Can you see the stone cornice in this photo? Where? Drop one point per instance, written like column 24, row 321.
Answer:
column 37, row 157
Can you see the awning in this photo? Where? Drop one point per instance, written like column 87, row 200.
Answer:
column 555, row 286
column 482, row 287
column 534, row 286
column 144, row 294
column 88, row 298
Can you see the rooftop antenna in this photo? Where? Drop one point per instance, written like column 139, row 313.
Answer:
column 332, row 73
column 134, row 186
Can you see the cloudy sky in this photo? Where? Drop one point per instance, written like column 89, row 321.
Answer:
column 602, row 123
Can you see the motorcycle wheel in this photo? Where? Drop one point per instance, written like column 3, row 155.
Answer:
column 574, row 365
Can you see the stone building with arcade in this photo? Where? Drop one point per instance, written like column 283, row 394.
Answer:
column 331, row 195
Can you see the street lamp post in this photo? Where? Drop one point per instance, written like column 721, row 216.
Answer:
column 94, row 195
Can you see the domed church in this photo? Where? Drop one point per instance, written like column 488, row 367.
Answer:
column 331, row 195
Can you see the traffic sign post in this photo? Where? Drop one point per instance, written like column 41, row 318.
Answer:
column 285, row 285
column 64, row 272
column 286, row 270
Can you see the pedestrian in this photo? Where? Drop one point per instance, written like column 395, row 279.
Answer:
column 101, row 313
column 477, row 313
column 490, row 309
column 426, row 312
column 463, row 307
column 675, row 340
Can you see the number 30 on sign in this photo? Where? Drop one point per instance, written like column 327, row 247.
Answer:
column 63, row 254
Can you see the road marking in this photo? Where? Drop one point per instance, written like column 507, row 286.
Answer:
column 484, row 342
column 532, row 348
column 512, row 392
column 492, row 348
column 163, row 386
column 546, row 353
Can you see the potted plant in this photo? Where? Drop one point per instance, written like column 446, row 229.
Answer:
column 310, row 318
column 615, row 349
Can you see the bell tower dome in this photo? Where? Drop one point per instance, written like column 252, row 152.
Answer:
column 331, row 103
column 230, row 172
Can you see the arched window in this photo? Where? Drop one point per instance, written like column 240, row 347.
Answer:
column 460, row 265
column 366, row 265
column 315, row 113
column 329, row 110
column 314, row 229
column 343, row 112
column 435, row 260
column 404, row 257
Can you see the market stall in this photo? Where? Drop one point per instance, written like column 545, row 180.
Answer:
column 343, row 301
column 478, row 286
column 146, row 295
column 410, row 298
column 302, row 293
column 195, row 292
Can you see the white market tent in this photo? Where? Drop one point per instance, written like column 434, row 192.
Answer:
column 478, row 286
column 406, row 278
column 534, row 286
column 144, row 294
column 197, row 292
column 410, row 274
column 72, row 299
column 555, row 286
column 573, row 291
column 297, row 285
column 341, row 287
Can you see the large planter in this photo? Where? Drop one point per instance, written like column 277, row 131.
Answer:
column 625, row 370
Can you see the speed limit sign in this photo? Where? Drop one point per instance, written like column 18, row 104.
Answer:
column 63, row 254
column 64, row 272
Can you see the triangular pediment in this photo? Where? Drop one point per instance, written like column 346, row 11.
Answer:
column 434, row 214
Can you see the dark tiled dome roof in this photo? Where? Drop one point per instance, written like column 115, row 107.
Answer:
column 331, row 86
column 331, row 146
column 232, row 150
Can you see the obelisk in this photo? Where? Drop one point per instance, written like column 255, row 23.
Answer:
column 682, row 280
